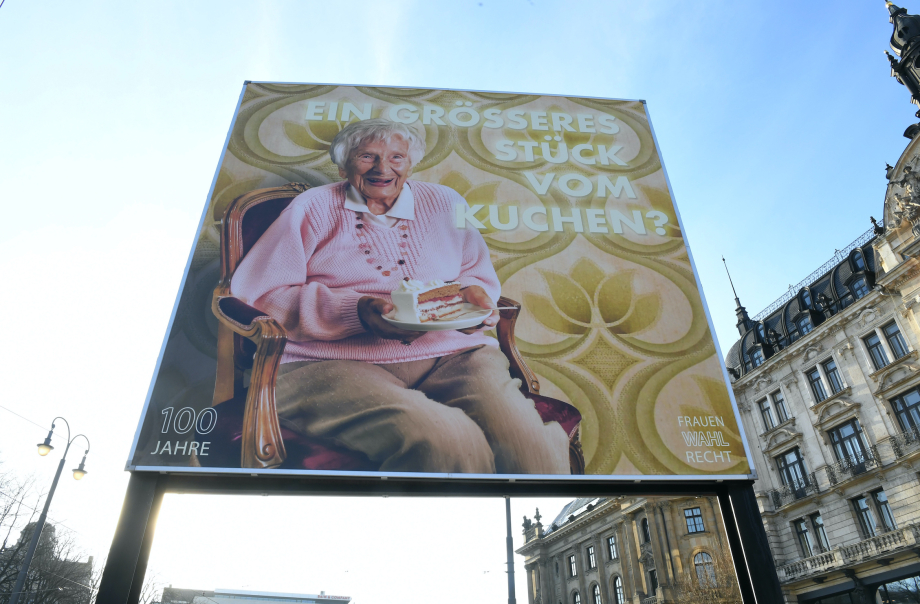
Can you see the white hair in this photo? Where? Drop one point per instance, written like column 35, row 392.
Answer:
column 377, row 129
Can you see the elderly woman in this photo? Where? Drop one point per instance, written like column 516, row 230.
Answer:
column 412, row 401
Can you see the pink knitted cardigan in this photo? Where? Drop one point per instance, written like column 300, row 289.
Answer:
column 316, row 261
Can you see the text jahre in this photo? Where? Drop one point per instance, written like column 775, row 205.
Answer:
column 184, row 448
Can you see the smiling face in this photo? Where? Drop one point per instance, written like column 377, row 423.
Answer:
column 378, row 169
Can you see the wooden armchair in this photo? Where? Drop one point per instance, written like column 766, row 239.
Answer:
column 247, row 430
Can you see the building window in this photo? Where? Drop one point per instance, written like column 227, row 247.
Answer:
column 806, row 298
column 792, row 470
column 653, row 581
column 833, row 376
column 847, row 443
column 592, row 559
column 576, row 598
column 705, row 571
column 612, row 547
column 895, row 340
column 860, row 288
column 804, row 537
column 804, row 324
column 767, row 414
column 646, row 535
column 757, row 357
column 618, row 591
column 876, row 351
column 859, row 262
column 779, row 403
column 866, row 521
column 694, row 518
column 596, row 592
column 573, row 570
column 884, row 510
column 907, row 409
column 820, row 534
column 817, row 386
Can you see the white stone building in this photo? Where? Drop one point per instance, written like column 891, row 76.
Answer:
column 828, row 382
column 623, row 550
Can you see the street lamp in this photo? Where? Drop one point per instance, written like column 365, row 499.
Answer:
column 43, row 449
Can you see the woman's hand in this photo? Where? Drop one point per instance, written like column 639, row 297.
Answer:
column 478, row 296
column 370, row 310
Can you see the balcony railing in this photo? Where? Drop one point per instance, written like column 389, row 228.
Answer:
column 847, row 555
column 650, row 600
column 876, row 546
column 820, row 271
column 855, row 465
column 905, row 442
column 789, row 493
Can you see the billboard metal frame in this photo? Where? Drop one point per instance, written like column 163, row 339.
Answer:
column 126, row 566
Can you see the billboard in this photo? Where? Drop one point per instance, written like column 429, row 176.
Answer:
column 444, row 283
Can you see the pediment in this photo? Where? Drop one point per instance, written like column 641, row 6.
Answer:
column 835, row 409
column 762, row 382
column 868, row 316
column 780, row 438
column 812, row 351
column 897, row 373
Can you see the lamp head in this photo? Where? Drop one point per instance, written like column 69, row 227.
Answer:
column 79, row 472
column 45, row 447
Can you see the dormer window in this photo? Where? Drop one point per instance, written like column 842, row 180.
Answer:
column 860, row 288
column 804, row 324
column 761, row 333
column 806, row 298
column 757, row 357
column 859, row 261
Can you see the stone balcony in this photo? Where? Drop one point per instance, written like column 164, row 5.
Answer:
column 844, row 556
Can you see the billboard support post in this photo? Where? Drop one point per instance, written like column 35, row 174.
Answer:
column 509, row 544
column 747, row 540
column 123, row 576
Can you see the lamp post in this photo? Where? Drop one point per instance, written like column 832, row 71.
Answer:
column 79, row 472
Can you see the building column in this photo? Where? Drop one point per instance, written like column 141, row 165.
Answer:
column 531, row 595
column 601, row 554
column 545, row 582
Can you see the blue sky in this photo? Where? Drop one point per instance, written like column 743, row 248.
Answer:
column 775, row 121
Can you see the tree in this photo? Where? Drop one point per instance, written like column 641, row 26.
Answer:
column 711, row 580
column 55, row 575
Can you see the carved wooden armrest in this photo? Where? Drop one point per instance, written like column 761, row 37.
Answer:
column 263, row 446
column 505, row 328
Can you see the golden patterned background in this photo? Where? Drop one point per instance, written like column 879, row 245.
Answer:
column 612, row 323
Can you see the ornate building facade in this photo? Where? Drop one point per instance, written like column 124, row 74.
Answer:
column 828, row 382
column 623, row 550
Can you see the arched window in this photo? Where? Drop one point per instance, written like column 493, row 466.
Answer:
column 705, row 571
column 618, row 591
column 596, row 592
column 576, row 598
column 646, row 535
column 761, row 332
column 806, row 298
column 859, row 261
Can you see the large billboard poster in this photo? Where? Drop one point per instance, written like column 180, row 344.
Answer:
column 444, row 283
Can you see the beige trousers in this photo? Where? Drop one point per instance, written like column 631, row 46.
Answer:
column 458, row 413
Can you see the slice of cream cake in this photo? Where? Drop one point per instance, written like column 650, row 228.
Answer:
column 418, row 302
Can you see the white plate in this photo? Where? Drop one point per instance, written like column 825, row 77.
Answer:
column 470, row 316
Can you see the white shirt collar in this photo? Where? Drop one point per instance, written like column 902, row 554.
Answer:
column 403, row 208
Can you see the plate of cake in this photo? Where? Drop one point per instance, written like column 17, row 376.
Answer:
column 432, row 306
